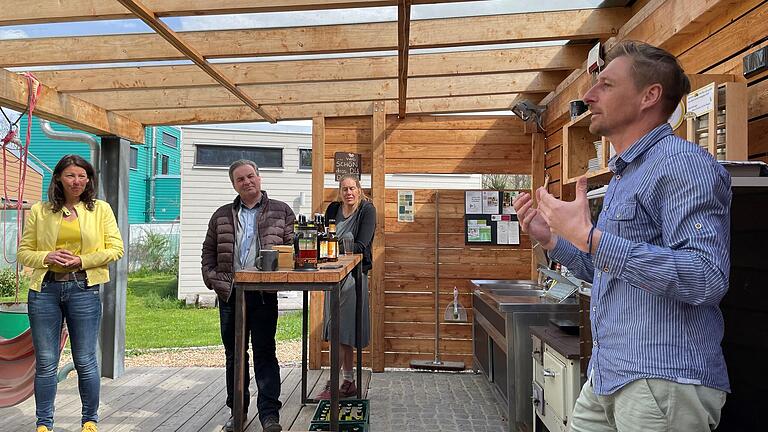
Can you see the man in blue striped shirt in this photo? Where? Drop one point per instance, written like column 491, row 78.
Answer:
column 658, row 256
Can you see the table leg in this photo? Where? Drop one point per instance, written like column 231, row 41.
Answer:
column 334, row 351
column 358, row 323
column 304, row 341
column 239, row 358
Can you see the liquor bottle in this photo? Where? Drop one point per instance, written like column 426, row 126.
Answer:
column 298, row 227
column 333, row 241
column 322, row 239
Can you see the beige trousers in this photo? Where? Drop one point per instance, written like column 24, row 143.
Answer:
column 648, row 405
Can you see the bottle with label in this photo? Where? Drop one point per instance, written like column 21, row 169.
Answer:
column 333, row 241
column 322, row 239
column 306, row 245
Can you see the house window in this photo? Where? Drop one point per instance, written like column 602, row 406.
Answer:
column 170, row 140
column 223, row 156
column 134, row 158
column 305, row 159
column 164, row 162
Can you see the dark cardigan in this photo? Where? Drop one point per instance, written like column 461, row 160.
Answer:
column 364, row 230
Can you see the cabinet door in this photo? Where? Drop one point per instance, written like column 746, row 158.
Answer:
column 554, row 384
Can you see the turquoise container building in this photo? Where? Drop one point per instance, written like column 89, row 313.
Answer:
column 155, row 182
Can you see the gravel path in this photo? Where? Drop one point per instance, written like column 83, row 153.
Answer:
column 288, row 353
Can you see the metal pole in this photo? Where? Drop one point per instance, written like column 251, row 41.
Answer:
column 437, row 277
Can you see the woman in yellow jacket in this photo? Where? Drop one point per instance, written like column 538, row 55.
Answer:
column 68, row 242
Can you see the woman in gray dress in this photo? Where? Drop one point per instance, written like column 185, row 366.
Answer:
column 355, row 218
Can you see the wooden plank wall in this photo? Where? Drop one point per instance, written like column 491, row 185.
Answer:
column 717, row 46
column 33, row 188
column 432, row 145
column 409, row 277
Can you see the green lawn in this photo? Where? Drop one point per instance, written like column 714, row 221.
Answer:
column 156, row 319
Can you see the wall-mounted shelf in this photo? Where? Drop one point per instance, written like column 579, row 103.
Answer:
column 723, row 131
column 579, row 148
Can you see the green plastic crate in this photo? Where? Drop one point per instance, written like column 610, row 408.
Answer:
column 350, row 411
column 343, row 427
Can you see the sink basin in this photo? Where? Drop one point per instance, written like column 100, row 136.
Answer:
column 514, row 292
column 507, row 284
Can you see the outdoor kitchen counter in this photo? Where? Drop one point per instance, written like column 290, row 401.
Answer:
column 502, row 345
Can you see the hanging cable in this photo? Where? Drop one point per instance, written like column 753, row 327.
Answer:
column 33, row 94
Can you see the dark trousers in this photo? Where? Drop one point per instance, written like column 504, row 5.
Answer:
column 261, row 323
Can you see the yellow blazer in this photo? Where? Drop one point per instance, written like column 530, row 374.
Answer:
column 101, row 241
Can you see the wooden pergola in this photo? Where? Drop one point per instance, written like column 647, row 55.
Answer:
column 119, row 101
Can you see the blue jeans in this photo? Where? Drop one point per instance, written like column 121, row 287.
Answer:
column 80, row 306
column 261, row 323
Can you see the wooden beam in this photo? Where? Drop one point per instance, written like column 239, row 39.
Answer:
column 234, row 114
column 659, row 22
column 307, row 93
column 46, row 11
column 403, row 37
column 378, row 174
column 316, row 298
column 68, row 110
column 548, row 58
column 163, row 30
column 494, row 29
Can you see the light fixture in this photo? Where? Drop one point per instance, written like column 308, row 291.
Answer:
column 527, row 110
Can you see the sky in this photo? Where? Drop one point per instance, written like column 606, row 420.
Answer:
column 289, row 19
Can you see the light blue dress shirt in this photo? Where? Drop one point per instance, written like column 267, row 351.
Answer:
column 661, row 267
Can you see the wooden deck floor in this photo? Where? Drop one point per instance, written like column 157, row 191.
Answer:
column 170, row 399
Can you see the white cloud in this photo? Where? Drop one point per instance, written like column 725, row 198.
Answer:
column 13, row 34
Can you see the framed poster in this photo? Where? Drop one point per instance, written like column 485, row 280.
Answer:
column 490, row 218
column 405, row 206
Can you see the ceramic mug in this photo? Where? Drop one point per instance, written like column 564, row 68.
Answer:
column 267, row 260
column 578, row 107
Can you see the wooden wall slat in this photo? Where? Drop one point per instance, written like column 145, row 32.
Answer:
column 758, row 137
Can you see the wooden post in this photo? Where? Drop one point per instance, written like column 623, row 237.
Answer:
column 537, row 180
column 318, row 184
column 378, row 168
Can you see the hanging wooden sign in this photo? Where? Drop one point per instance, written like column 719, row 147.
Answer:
column 346, row 163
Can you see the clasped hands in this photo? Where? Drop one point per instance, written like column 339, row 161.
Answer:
column 63, row 258
column 554, row 218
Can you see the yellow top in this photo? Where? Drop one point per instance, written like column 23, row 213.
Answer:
column 100, row 240
column 68, row 239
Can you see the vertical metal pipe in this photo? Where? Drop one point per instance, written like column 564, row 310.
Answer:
column 437, row 277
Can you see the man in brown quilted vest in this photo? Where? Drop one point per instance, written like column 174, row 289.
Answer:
column 236, row 233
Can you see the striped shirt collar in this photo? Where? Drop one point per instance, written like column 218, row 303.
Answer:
column 619, row 162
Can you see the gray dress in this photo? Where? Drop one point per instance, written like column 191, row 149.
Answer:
column 347, row 227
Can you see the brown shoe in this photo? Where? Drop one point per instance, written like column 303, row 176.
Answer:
column 326, row 393
column 348, row 389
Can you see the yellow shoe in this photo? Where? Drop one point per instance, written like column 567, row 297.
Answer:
column 43, row 428
column 90, row 427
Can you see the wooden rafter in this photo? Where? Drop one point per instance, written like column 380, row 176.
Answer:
column 184, row 116
column 494, row 29
column 347, row 91
column 68, row 110
column 46, row 11
column 403, row 44
column 686, row 18
column 547, row 58
column 149, row 17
